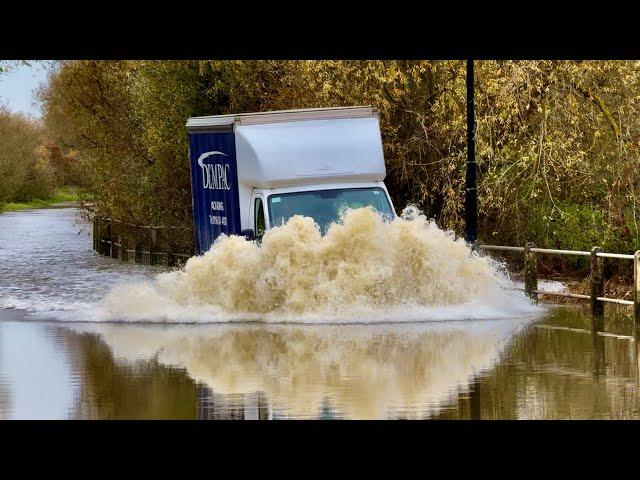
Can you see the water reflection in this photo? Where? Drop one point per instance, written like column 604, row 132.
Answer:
column 554, row 368
column 121, row 390
column 559, row 369
column 34, row 366
column 244, row 371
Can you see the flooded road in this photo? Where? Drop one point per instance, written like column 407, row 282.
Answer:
column 47, row 265
column 548, row 367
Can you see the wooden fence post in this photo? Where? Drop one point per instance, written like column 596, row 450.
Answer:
column 103, row 236
column 98, row 221
column 109, row 238
column 122, row 249
column 114, row 237
column 597, row 284
column 636, row 289
column 137, row 251
column 637, row 353
column 152, row 245
column 171, row 259
column 530, row 271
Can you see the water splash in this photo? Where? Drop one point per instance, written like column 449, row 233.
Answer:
column 362, row 270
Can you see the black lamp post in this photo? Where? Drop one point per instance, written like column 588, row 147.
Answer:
column 471, row 185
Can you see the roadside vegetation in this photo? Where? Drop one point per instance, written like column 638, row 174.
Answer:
column 558, row 142
column 61, row 196
column 33, row 172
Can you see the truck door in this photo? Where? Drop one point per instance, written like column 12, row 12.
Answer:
column 259, row 218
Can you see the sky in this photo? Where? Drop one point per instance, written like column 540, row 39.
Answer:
column 17, row 88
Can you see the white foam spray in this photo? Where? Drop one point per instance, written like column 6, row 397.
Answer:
column 362, row 270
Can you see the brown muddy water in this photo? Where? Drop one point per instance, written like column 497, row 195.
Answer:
column 545, row 366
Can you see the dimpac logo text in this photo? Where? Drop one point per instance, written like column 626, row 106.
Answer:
column 214, row 176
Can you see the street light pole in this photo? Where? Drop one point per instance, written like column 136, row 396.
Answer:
column 471, row 187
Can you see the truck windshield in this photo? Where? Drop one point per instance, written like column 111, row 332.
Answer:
column 326, row 206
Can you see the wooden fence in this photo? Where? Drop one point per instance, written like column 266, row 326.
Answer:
column 110, row 239
column 596, row 295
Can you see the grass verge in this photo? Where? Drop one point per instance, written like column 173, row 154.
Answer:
column 63, row 195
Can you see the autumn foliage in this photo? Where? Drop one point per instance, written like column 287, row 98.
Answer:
column 557, row 141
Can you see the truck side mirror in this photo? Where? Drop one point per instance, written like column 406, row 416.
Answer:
column 248, row 234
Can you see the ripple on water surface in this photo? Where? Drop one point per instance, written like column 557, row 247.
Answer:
column 47, row 265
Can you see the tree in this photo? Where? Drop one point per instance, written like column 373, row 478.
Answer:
column 557, row 141
column 22, row 176
column 558, row 152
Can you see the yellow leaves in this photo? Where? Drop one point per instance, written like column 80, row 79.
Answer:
column 533, row 123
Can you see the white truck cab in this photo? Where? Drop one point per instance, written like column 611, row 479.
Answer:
column 274, row 206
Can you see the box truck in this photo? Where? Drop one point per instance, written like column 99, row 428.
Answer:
column 253, row 171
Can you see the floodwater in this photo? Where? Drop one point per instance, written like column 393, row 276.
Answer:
column 546, row 367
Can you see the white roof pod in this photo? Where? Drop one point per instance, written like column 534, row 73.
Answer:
column 301, row 147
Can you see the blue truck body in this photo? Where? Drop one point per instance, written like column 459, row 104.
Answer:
column 214, row 186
